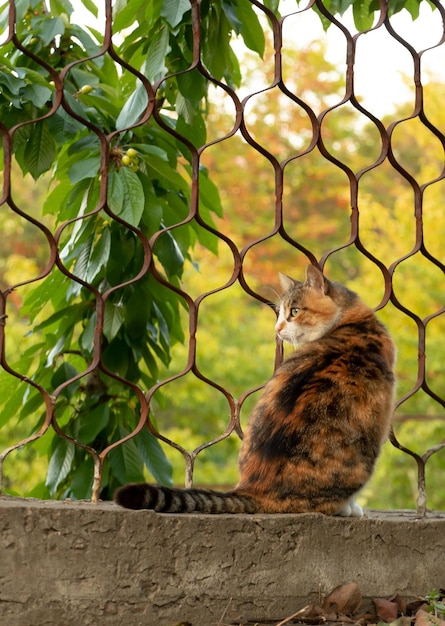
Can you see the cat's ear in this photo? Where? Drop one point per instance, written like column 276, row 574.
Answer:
column 286, row 282
column 315, row 279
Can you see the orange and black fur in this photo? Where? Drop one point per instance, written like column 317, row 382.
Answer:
column 315, row 434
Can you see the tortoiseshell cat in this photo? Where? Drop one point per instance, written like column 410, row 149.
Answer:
column 315, row 433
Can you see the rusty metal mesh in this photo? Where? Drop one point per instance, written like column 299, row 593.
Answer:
column 281, row 229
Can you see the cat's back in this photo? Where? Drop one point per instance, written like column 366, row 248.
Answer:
column 350, row 369
column 357, row 345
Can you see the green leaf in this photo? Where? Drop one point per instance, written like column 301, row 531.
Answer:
column 125, row 460
column 133, row 203
column 56, row 349
column 154, row 65
column 91, row 255
column 174, row 10
column 169, row 254
column 60, row 464
column 82, row 480
column 90, row 6
column 115, row 193
column 91, row 47
column 81, row 252
column 99, row 255
column 47, row 28
column 133, row 108
column 413, row 7
column 152, row 11
column 13, row 390
column 40, row 150
column 63, row 127
column 36, row 89
column 123, row 250
column 340, row 6
column 192, row 85
column 113, row 319
column 229, row 10
column 54, row 284
column 273, row 6
column 363, row 17
column 170, row 178
column 170, row 310
column 152, row 210
column 186, row 111
column 150, row 362
column 37, row 94
column 65, row 372
column 206, row 238
column 33, row 404
column 251, row 30
column 116, row 357
column 84, row 168
column 136, row 315
column 394, row 6
column 125, row 11
column 13, row 84
column 92, row 422
column 87, row 337
column 154, row 458
column 163, row 328
column 55, row 199
column 62, row 319
column 209, row 194
column 216, row 43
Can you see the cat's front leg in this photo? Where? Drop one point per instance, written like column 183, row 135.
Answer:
column 350, row 509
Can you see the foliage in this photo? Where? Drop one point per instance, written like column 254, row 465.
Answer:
column 436, row 603
column 102, row 243
column 364, row 10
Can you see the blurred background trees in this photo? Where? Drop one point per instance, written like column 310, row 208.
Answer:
column 235, row 339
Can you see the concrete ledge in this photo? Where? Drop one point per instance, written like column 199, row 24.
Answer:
column 75, row 564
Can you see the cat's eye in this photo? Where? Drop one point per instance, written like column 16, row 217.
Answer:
column 294, row 311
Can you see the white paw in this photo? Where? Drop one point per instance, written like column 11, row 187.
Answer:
column 344, row 511
column 350, row 509
column 357, row 510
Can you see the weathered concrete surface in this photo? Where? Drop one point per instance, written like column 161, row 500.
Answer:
column 75, row 564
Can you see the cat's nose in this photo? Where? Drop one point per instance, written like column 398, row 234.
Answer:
column 279, row 326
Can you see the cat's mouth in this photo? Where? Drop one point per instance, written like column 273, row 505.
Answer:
column 293, row 339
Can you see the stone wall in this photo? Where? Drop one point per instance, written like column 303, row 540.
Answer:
column 70, row 564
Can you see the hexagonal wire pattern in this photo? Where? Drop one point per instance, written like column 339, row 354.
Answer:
column 240, row 125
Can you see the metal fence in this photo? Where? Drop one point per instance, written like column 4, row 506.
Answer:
column 279, row 239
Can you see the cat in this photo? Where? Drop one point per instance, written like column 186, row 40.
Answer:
column 314, row 436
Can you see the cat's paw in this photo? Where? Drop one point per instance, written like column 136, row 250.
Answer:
column 350, row 509
column 345, row 510
column 356, row 510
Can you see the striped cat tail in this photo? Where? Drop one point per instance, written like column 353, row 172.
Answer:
column 166, row 500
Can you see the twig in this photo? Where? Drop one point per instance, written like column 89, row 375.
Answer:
column 295, row 615
column 220, row 623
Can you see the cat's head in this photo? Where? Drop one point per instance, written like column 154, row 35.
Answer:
column 307, row 310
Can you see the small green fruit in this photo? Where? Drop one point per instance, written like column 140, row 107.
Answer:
column 85, row 89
